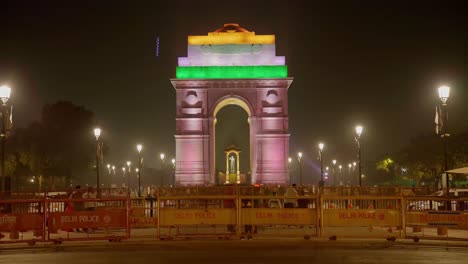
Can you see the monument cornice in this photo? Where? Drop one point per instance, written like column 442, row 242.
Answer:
column 231, row 83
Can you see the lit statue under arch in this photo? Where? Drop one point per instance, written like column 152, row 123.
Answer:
column 232, row 164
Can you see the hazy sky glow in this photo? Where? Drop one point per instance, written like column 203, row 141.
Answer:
column 368, row 64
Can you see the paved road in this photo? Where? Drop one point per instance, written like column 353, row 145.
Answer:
column 237, row 251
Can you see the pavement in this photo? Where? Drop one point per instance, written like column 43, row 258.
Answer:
column 100, row 241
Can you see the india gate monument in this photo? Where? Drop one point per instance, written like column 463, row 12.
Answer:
column 231, row 66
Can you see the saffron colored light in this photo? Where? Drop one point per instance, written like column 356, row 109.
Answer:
column 231, row 38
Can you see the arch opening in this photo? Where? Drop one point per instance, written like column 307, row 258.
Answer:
column 230, row 116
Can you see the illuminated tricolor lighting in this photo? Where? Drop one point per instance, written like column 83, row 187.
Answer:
column 232, row 72
column 231, row 52
column 220, row 38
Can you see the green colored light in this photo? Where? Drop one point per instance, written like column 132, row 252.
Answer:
column 231, row 72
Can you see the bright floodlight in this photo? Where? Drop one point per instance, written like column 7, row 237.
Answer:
column 162, row 156
column 5, row 92
column 444, row 92
column 354, row 164
column 340, row 167
column 334, row 162
column 97, row 132
column 108, row 166
column 299, row 155
column 358, row 130
column 321, row 145
column 349, row 165
column 113, row 167
column 139, row 148
column 326, row 168
column 289, row 159
column 123, row 169
column 128, row 163
column 137, row 170
column 173, row 161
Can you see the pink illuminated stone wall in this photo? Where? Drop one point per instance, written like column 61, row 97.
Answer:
column 266, row 100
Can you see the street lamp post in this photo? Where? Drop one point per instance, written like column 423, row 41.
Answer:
column 327, row 169
column 97, row 133
column 444, row 92
column 358, row 144
column 321, row 146
column 299, row 158
column 5, row 92
column 173, row 171
column 123, row 173
column 341, row 175
column 33, row 181
column 162, row 156
column 334, row 174
column 350, row 173
column 109, row 171
column 289, row 169
column 128, row 165
column 139, row 148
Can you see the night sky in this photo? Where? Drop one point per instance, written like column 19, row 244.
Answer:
column 368, row 63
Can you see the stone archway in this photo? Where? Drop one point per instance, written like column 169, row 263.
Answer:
column 202, row 89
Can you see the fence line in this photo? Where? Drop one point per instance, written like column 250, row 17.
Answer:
column 234, row 211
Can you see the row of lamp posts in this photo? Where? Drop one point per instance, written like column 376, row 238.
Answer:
column 139, row 147
column 321, row 146
column 444, row 93
column 5, row 91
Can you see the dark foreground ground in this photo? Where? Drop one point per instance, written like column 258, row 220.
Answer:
column 238, row 251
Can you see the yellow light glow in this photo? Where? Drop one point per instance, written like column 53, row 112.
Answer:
column 219, row 38
column 232, row 101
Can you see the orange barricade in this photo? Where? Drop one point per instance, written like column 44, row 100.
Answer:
column 99, row 219
column 107, row 218
column 23, row 217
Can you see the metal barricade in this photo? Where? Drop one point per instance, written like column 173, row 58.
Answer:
column 88, row 219
column 23, row 220
column 432, row 217
column 143, row 217
column 196, row 216
column 361, row 216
